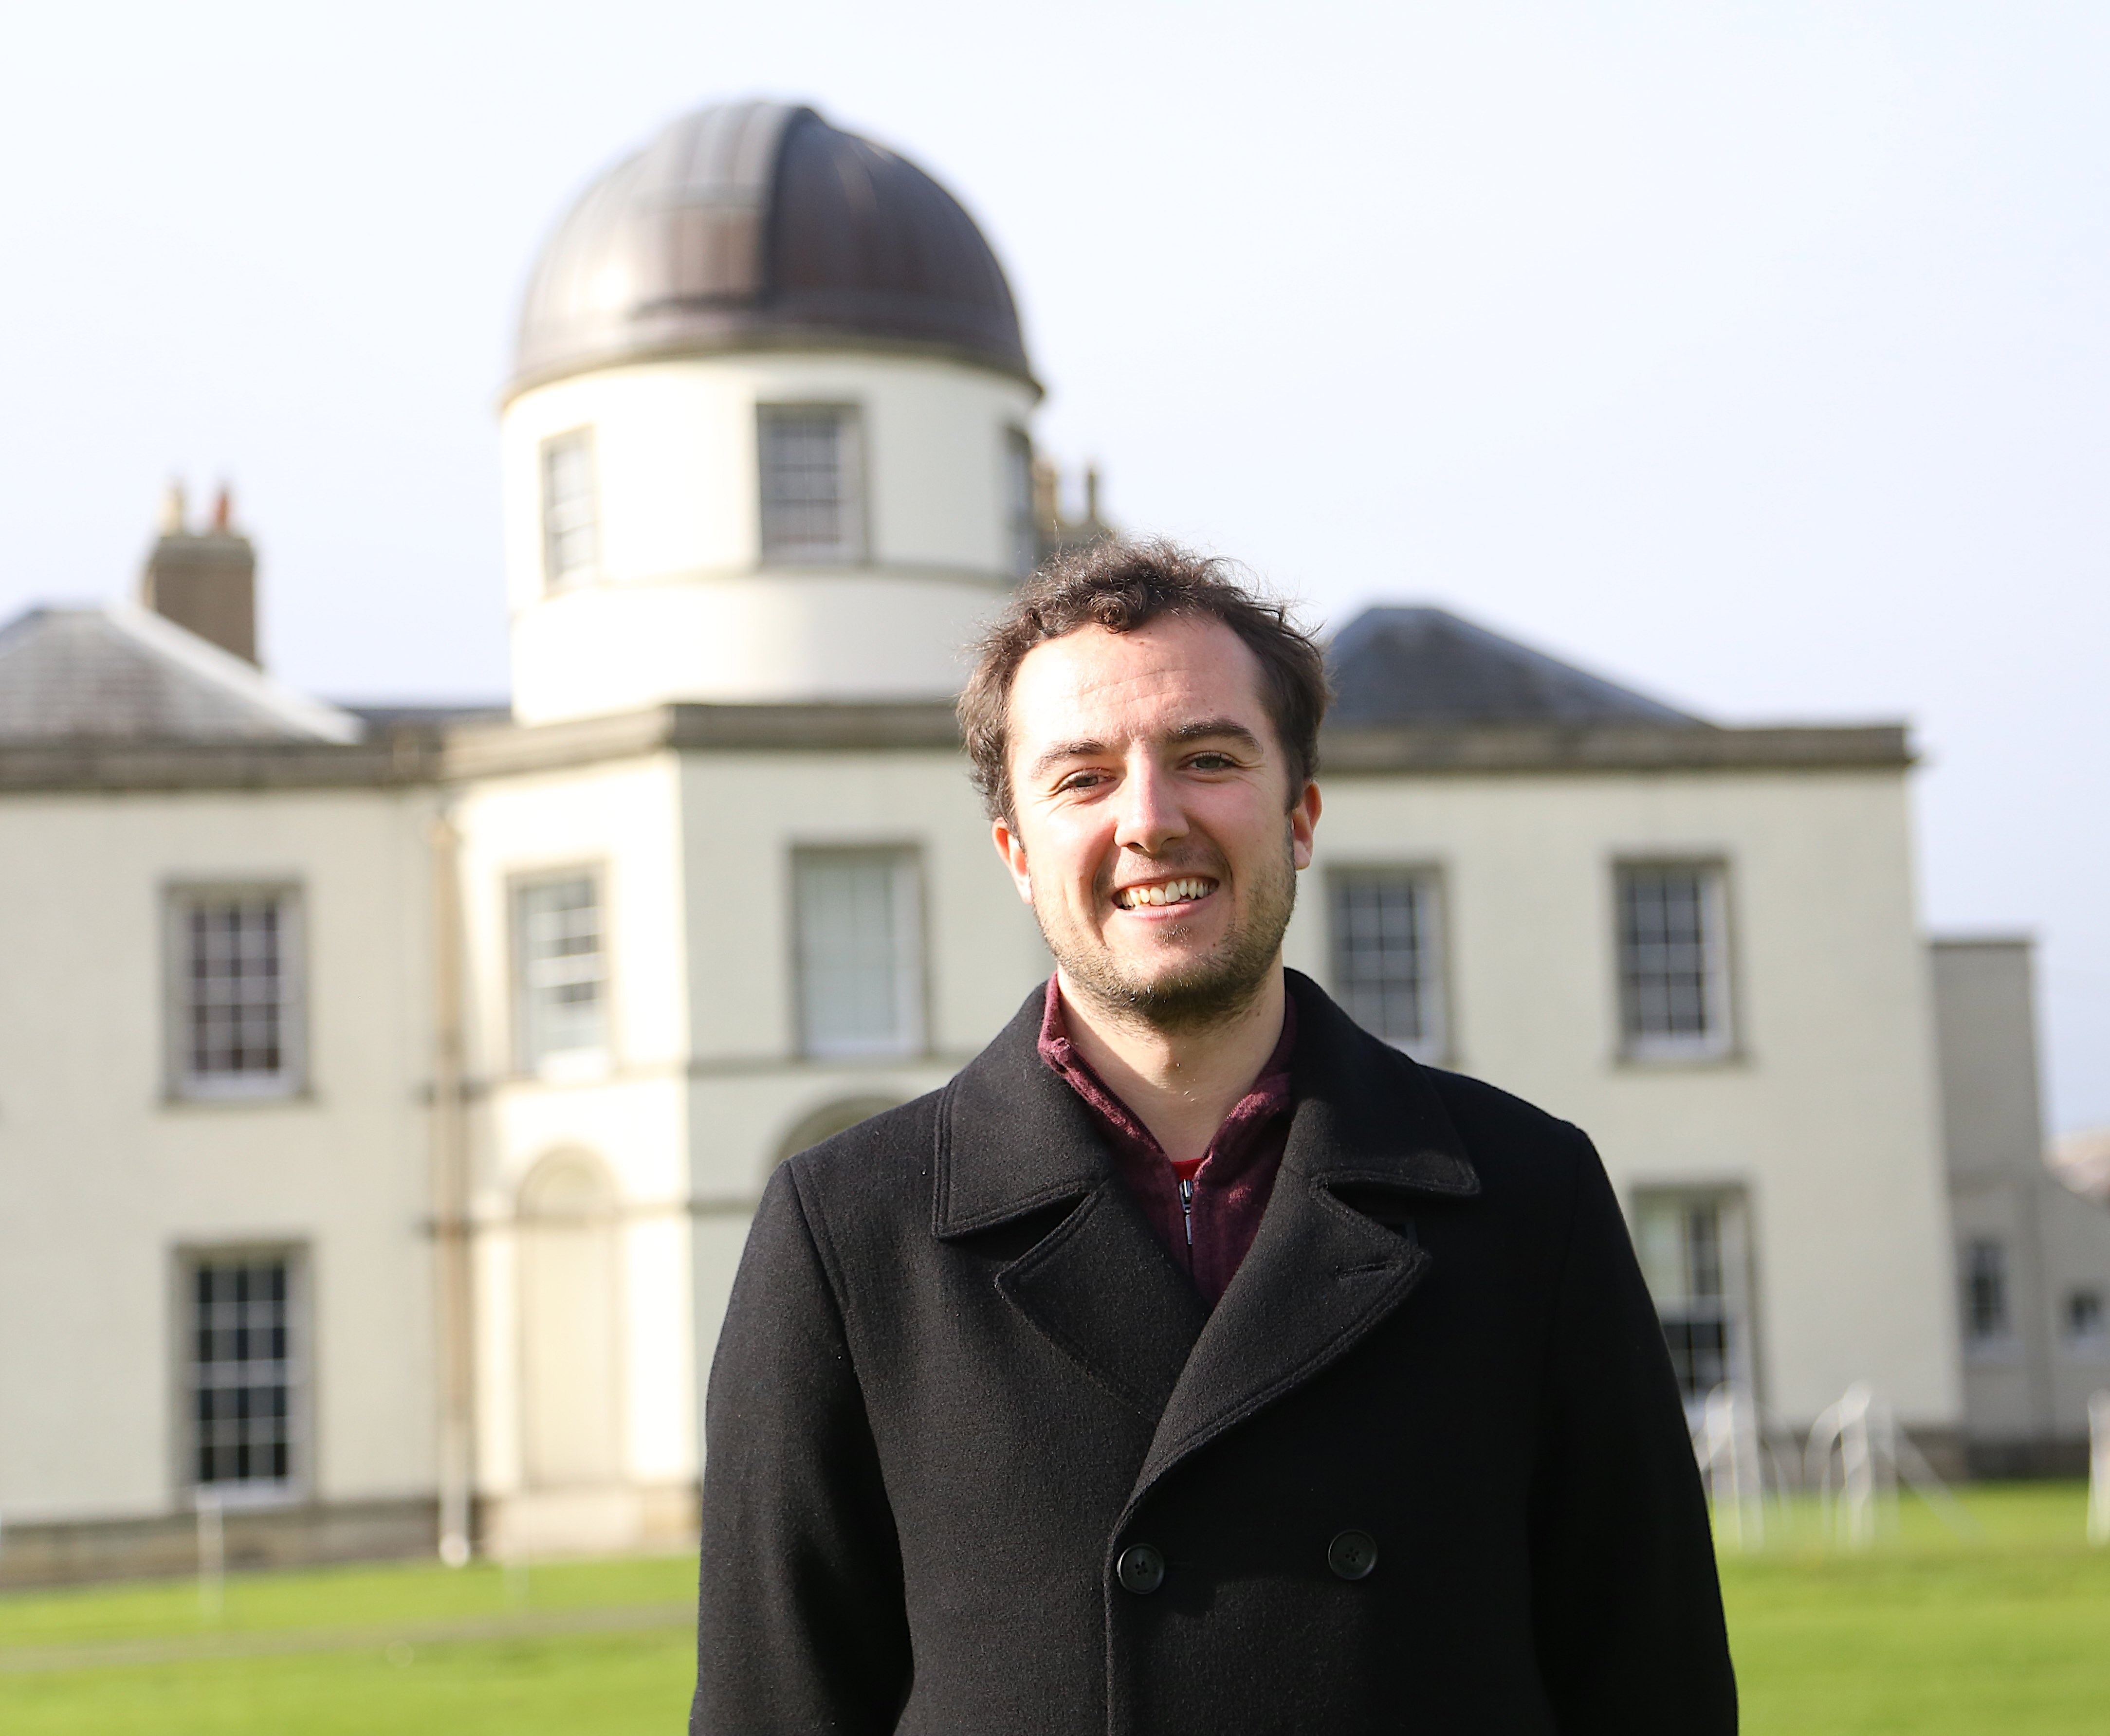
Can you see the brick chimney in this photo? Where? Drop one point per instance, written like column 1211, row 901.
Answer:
column 205, row 581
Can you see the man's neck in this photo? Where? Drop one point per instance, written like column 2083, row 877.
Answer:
column 1180, row 1083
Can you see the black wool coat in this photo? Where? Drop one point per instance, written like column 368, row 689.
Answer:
column 981, row 1461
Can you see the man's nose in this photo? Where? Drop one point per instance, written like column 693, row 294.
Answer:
column 1150, row 816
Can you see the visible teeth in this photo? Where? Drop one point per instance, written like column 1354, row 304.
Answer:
column 1171, row 891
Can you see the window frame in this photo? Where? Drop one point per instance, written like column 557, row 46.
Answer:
column 583, row 438
column 291, row 1080
column 910, row 897
column 2003, row 1339
column 2093, row 1344
column 1439, row 1047
column 559, row 1065
column 1723, row 1041
column 1737, row 1256
column 854, row 549
column 300, row 1481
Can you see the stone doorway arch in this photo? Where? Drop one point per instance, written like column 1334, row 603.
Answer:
column 570, row 1324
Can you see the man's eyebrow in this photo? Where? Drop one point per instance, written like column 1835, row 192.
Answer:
column 1216, row 727
column 1051, row 756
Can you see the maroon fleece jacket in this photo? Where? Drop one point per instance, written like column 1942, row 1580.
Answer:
column 1227, row 1187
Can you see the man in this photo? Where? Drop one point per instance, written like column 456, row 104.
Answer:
column 1194, row 1362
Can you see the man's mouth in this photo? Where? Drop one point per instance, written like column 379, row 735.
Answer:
column 1163, row 891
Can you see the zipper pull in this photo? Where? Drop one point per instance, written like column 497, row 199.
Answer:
column 1186, row 1207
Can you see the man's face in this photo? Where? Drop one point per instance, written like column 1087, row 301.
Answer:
column 1154, row 832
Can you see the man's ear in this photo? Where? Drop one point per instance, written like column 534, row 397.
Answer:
column 1303, row 822
column 1012, row 849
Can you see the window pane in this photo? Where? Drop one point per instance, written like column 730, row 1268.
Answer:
column 1384, row 957
column 571, row 509
column 859, row 985
column 1685, row 1246
column 810, row 508
column 1985, row 1289
column 234, row 987
column 563, row 969
column 241, row 1372
column 1669, row 958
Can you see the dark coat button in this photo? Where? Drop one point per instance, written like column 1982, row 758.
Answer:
column 1141, row 1569
column 1352, row 1554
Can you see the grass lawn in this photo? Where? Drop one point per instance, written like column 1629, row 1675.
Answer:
column 607, row 1647
column 2007, row 1631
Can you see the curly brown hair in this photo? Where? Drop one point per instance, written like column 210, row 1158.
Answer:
column 1121, row 586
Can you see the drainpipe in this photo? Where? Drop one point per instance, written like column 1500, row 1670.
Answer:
column 450, row 1202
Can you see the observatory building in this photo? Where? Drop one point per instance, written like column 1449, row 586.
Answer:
column 757, row 295
column 384, row 1093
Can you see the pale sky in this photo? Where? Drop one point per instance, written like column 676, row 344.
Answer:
column 1752, row 354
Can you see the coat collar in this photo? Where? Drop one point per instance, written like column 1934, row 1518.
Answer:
column 1012, row 1139
column 1365, row 1113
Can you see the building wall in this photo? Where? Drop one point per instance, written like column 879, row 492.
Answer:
column 104, row 1178
column 625, row 1113
column 1824, row 1112
column 2025, row 1388
column 681, row 608
column 1823, row 1115
column 743, row 815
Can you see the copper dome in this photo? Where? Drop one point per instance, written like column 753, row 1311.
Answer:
column 757, row 225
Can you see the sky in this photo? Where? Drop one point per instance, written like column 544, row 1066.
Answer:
column 1752, row 354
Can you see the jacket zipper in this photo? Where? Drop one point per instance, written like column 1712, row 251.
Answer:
column 1186, row 1207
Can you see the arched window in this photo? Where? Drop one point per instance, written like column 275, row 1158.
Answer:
column 829, row 1119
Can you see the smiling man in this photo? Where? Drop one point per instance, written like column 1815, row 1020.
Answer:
column 1194, row 1362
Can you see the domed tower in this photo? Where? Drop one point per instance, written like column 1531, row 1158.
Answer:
column 766, row 435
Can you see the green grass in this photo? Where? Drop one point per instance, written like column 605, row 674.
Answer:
column 2006, row 1631
column 598, row 1683
column 362, row 1649
column 383, row 1599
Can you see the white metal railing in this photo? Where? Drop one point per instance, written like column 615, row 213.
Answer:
column 2098, row 1468
column 211, row 1556
column 1861, row 1432
column 1854, row 1461
column 1727, row 1444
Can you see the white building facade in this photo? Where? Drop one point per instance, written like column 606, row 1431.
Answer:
column 2032, row 1253
column 383, row 1097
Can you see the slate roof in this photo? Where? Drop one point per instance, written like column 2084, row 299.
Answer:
column 1402, row 666
column 126, row 674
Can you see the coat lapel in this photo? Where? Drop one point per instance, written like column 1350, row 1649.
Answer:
column 1013, row 1140
column 1321, row 1274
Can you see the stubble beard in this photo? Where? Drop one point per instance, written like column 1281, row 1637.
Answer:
column 1199, row 994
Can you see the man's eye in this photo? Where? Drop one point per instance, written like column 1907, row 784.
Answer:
column 1210, row 762
column 1081, row 780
